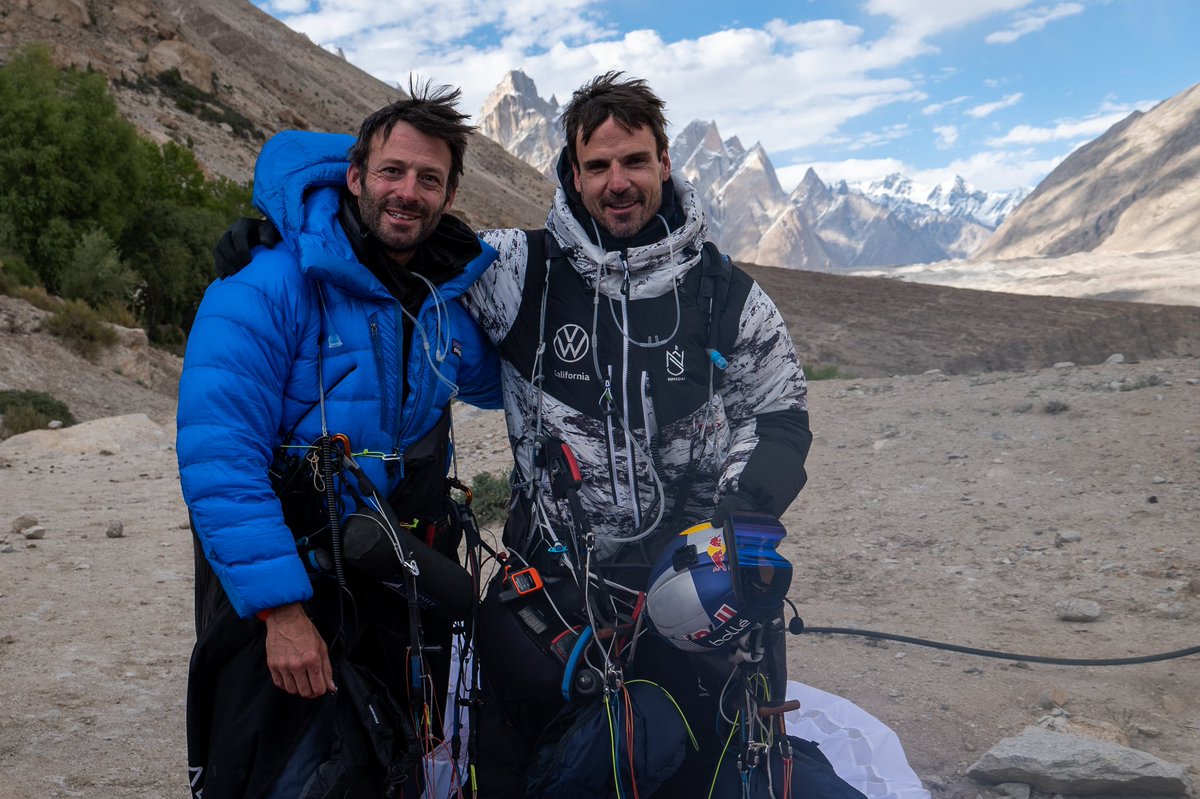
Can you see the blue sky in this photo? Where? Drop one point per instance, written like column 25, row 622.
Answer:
column 998, row 91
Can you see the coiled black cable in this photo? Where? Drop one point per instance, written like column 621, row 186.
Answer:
column 797, row 626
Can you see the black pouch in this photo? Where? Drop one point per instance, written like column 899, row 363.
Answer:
column 523, row 643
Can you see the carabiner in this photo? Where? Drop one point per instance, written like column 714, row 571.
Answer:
column 344, row 440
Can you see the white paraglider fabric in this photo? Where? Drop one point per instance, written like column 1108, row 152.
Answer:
column 863, row 750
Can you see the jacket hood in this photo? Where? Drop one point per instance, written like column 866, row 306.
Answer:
column 653, row 265
column 298, row 183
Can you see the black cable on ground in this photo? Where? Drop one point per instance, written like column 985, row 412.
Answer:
column 989, row 653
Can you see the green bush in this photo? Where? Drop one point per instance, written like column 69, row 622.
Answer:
column 15, row 274
column 91, row 211
column 21, row 419
column 36, row 296
column 827, row 371
column 492, row 493
column 81, row 329
column 31, row 410
column 96, row 274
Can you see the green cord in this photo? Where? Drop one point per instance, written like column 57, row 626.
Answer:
column 678, row 709
column 612, row 738
column 732, row 728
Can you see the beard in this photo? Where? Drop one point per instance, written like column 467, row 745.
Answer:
column 399, row 238
column 629, row 222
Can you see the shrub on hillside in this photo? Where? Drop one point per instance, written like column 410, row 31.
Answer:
column 21, row 419
column 81, row 329
column 15, row 274
column 36, row 296
column 96, row 212
column 30, row 410
column 96, row 274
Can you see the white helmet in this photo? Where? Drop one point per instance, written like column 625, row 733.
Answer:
column 705, row 595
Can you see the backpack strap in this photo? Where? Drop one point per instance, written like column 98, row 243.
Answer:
column 716, row 274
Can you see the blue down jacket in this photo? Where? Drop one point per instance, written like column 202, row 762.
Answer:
column 250, row 372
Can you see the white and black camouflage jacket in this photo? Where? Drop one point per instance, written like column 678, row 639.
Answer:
column 627, row 382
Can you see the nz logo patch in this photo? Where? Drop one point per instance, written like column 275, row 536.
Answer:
column 570, row 343
column 675, row 362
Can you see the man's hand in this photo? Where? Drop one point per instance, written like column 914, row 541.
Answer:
column 732, row 503
column 296, row 653
column 232, row 252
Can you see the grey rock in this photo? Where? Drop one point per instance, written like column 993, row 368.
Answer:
column 55, row 424
column 1078, row 610
column 7, row 549
column 1116, row 357
column 23, row 522
column 1064, row 364
column 1067, row 537
column 35, row 533
column 115, row 530
column 1171, row 610
column 1071, row 764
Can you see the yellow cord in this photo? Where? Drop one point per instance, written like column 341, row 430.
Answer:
column 678, row 709
column 732, row 728
column 612, row 738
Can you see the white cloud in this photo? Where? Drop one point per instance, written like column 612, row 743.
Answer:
column 996, row 170
column 947, row 135
column 1065, row 130
column 1033, row 21
column 937, row 108
column 922, row 18
column 987, row 109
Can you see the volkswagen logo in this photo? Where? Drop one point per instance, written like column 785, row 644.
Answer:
column 570, row 343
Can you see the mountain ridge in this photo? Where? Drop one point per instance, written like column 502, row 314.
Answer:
column 752, row 217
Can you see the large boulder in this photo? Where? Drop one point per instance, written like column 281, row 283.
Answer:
column 195, row 67
column 1056, row 762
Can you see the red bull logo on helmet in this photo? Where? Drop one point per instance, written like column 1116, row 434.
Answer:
column 716, row 551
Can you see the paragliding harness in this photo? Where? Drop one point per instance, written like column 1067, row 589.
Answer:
column 372, row 554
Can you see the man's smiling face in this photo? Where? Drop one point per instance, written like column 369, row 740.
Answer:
column 402, row 192
column 620, row 174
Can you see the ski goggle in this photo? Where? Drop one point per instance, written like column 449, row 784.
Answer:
column 761, row 576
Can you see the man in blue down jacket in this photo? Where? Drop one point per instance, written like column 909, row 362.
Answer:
column 351, row 326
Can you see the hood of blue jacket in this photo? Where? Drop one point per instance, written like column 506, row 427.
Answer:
column 298, row 181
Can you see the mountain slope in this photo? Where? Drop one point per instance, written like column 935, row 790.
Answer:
column 1136, row 189
column 257, row 77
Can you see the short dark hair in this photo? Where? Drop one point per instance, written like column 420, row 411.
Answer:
column 430, row 109
column 629, row 101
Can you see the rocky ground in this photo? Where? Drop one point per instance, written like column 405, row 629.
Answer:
column 963, row 509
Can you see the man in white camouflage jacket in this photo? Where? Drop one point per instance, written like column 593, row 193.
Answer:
column 681, row 402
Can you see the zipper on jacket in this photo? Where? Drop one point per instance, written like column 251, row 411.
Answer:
column 381, row 371
column 609, row 440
